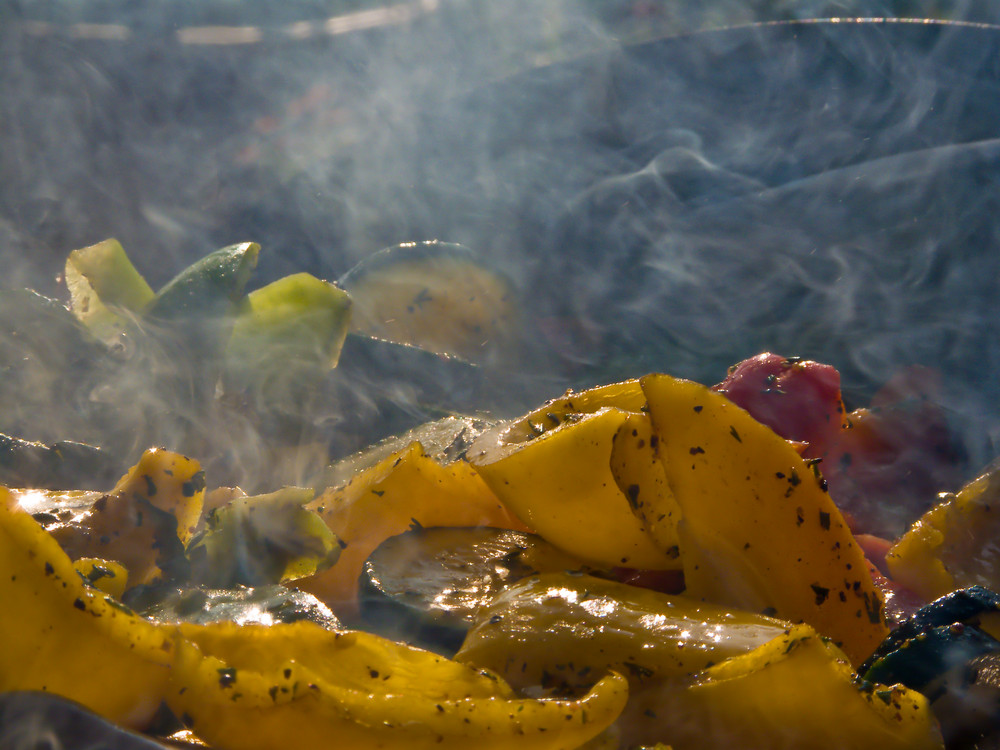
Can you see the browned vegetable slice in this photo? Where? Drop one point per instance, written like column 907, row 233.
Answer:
column 144, row 521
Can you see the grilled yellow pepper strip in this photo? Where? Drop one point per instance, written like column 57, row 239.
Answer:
column 953, row 544
column 61, row 636
column 640, row 475
column 563, row 631
column 758, row 530
column 793, row 692
column 551, row 468
column 260, row 688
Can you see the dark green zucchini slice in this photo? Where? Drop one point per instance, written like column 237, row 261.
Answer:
column 194, row 311
column 961, row 606
column 943, row 652
column 209, row 286
column 426, row 586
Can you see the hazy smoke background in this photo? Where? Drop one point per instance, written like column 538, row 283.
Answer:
column 827, row 191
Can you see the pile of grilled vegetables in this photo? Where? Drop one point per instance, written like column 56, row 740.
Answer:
column 649, row 563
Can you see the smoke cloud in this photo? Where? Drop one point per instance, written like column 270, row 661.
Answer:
column 823, row 190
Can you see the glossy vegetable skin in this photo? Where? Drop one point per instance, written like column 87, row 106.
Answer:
column 427, row 586
column 259, row 688
column 61, row 636
column 404, row 490
column 551, row 467
column 563, row 631
column 953, row 545
column 758, row 530
column 796, row 691
column 254, row 687
column 700, row 675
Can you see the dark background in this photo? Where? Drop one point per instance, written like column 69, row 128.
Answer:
column 668, row 189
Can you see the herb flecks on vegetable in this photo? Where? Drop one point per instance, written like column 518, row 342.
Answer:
column 144, row 521
column 352, row 689
column 558, row 480
column 62, row 636
column 383, row 501
column 755, row 490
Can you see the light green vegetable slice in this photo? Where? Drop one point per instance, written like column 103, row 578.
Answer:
column 264, row 539
column 287, row 337
column 103, row 283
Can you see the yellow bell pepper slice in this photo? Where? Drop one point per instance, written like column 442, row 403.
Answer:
column 626, row 395
column 796, row 691
column 62, row 636
column 405, row 489
column 949, row 547
column 563, row 631
column 641, row 476
column 551, row 467
column 758, row 530
column 258, row 688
